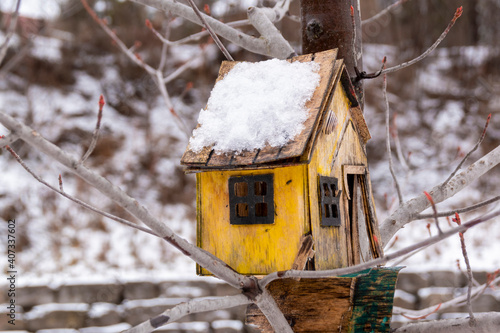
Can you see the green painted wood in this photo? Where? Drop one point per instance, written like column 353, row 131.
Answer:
column 373, row 299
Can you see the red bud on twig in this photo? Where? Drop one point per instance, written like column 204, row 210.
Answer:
column 352, row 11
column 149, row 24
column 458, row 13
column 206, row 9
column 101, row 102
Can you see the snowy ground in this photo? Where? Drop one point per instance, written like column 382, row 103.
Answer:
column 59, row 241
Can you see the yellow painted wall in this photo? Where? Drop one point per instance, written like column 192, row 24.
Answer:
column 253, row 249
column 330, row 243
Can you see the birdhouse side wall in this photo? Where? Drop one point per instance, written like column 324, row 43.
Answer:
column 255, row 249
column 331, row 151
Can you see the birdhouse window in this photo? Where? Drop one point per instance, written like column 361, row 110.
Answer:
column 251, row 199
column 330, row 194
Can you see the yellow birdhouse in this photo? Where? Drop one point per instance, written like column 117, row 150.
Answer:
column 255, row 205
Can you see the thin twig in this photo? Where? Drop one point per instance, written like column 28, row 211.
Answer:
column 78, row 201
column 469, row 271
column 460, row 211
column 409, row 255
column 423, row 316
column 458, row 13
column 399, row 150
column 210, row 30
column 194, row 37
column 10, row 31
column 388, row 142
column 95, row 135
column 476, row 292
column 470, row 152
column 155, row 74
column 8, row 139
column 183, row 309
column 383, row 12
column 436, row 220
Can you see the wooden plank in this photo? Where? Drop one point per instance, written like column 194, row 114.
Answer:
column 190, row 157
column 267, row 154
column 310, row 305
column 359, row 120
column 225, row 68
column 305, row 253
column 219, row 159
column 244, row 158
column 257, row 249
column 326, row 60
column 323, row 107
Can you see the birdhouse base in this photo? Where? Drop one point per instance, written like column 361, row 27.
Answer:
column 359, row 302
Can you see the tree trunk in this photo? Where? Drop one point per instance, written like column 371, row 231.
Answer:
column 327, row 24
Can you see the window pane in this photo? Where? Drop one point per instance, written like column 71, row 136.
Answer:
column 327, row 210
column 260, row 188
column 242, row 210
column 335, row 211
column 326, row 188
column 241, row 189
column 261, row 209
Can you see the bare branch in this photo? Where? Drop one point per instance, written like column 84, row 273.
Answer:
column 458, row 13
column 248, row 42
column 95, row 135
column 7, row 140
column 448, row 304
column 388, row 142
column 383, row 12
column 397, row 142
column 194, row 37
column 270, row 309
column 271, row 34
column 470, row 152
column 378, row 261
column 77, row 201
column 203, row 258
column 156, row 74
column 212, row 33
column 469, row 271
column 459, row 211
column 10, row 31
column 183, row 309
column 410, row 209
column 117, row 40
column 486, row 322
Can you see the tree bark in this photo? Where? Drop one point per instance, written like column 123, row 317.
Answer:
column 328, row 24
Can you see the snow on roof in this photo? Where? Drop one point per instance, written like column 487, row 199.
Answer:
column 256, row 104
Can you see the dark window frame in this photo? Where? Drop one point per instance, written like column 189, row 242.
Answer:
column 260, row 206
column 329, row 195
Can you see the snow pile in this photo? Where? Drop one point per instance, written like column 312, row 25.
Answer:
column 257, row 104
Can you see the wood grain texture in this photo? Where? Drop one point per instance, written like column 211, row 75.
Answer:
column 331, row 243
column 309, row 305
column 354, row 303
column 253, row 249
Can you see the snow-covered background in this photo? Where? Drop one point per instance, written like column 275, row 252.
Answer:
column 60, row 62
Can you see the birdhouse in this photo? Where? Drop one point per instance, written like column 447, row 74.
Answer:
column 256, row 205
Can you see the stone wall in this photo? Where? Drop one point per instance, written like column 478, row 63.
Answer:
column 96, row 308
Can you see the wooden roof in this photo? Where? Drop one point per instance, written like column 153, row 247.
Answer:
column 299, row 150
